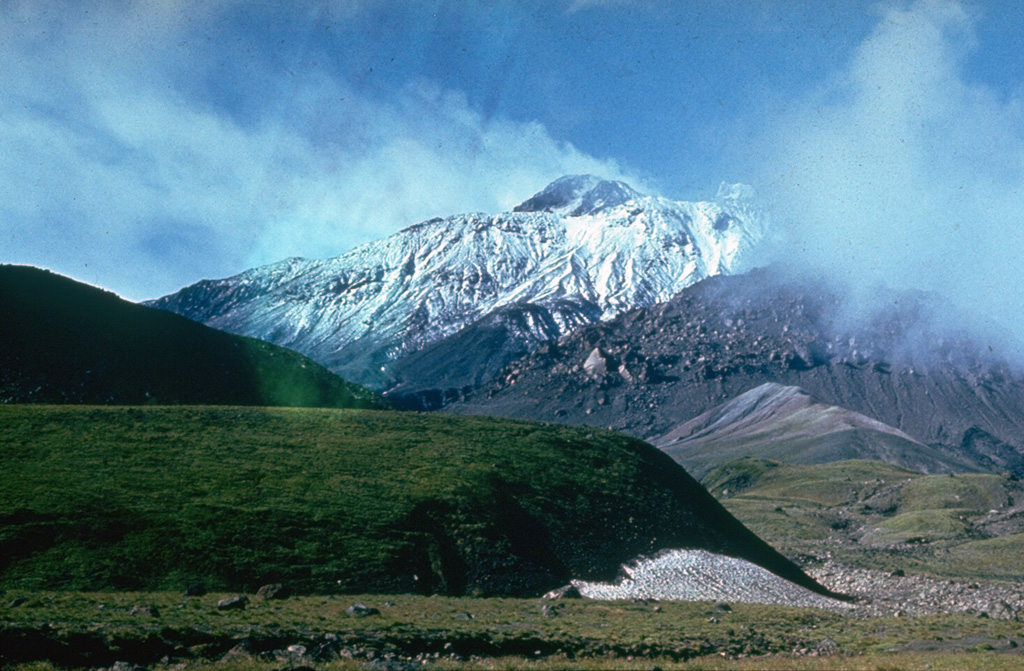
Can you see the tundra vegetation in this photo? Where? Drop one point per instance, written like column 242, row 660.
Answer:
column 967, row 526
column 90, row 629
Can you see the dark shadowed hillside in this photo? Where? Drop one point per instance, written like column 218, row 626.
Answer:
column 66, row 342
column 652, row 369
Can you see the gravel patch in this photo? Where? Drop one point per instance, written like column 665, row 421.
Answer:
column 698, row 575
column 883, row 594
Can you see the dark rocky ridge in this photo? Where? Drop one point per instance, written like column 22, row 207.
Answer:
column 654, row 368
column 446, row 370
column 581, row 194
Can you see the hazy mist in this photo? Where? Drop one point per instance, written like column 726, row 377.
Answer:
column 110, row 157
column 902, row 172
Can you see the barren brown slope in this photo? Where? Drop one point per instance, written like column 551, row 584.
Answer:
column 786, row 424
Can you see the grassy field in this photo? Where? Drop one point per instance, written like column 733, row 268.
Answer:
column 447, row 632
column 876, row 515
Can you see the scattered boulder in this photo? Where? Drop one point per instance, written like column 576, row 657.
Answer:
column 826, row 648
column 1000, row 610
column 197, row 589
column 596, row 365
column 390, row 664
column 296, row 650
column 360, row 610
column 145, row 609
column 296, row 656
column 238, row 602
column 636, row 369
column 567, row 592
column 273, row 591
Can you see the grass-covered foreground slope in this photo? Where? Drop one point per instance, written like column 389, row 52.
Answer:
column 62, row 341
column 337, row 501
column 967, row 525
column 166, row 632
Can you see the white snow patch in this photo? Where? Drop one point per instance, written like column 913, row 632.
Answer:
column 698, row 575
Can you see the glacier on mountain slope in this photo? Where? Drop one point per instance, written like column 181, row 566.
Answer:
column 582, row 249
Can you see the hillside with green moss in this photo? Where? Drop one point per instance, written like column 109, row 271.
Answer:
column 876, row 515
column 97, row 498
column 62, row 341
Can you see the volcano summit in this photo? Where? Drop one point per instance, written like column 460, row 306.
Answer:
column 581, row 250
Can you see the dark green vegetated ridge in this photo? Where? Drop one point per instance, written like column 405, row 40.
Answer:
column 62, row 341
column 337, row 501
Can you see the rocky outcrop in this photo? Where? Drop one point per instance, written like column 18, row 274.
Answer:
column 237, row 602
column 729, row 334
column 273, row 591
column 596, row 365
column 361, row 610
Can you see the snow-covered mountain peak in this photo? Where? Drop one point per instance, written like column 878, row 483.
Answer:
column 576, row 195
column 581, row 250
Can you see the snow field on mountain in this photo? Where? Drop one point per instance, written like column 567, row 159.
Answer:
column 598, row 249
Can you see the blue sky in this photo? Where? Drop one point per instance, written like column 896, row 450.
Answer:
column 145, row 145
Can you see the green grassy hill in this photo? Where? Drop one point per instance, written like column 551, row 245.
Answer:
column 146, row 497
column 873, row 514
column 66, row 342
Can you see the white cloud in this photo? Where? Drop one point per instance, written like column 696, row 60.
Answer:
column 903, row 171
column 115, row 176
